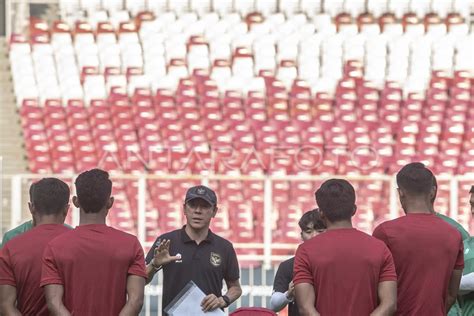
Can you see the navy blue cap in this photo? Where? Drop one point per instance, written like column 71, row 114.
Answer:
column 201, row 192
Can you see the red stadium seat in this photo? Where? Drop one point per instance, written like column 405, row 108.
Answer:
column 199, row 109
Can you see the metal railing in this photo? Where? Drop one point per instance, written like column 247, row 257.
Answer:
column 17, row 182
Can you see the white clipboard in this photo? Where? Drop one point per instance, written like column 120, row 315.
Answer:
column 188, row 302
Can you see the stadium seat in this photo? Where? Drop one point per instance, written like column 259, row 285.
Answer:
column 122, row 84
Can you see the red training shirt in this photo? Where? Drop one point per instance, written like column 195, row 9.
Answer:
column 344, row 264
column 20, row 266
column 93, row 262
column 426, row 250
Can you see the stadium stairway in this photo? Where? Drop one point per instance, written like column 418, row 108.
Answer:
column 11, row 140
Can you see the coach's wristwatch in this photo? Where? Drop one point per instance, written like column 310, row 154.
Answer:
column 226, row 300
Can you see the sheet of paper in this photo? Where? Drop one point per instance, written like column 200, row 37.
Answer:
column 188, row 302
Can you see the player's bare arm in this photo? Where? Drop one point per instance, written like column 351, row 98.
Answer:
column 54, row 299
column 8, row 301
column 161, row 258
column 135, row 294
column 306, row 298
column 387, row 293
column 453, row 288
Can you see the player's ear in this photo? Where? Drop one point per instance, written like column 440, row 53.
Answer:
column 401, row 194
column 31, row 207
column 355, row 210
column 75, row 201
column 215, row 211
column 110, row 202
column 323, row 218
column 433, row 192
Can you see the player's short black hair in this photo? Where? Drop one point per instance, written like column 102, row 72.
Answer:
column 49, row 196
column 93, row 190
column 336, row 199
column 415, row 179
column 313, row 216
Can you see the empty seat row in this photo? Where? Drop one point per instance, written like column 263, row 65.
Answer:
column 266, row 7
column 61, row 63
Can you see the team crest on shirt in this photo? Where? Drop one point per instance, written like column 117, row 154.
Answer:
column 215, row 259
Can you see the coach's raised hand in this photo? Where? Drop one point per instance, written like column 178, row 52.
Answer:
column 162, row 254
column 161, row 257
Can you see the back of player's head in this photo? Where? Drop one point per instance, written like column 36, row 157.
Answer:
column 336, row 199
column 415, row 179
column 314, row 217
column 93, row 190
column 49, row 196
